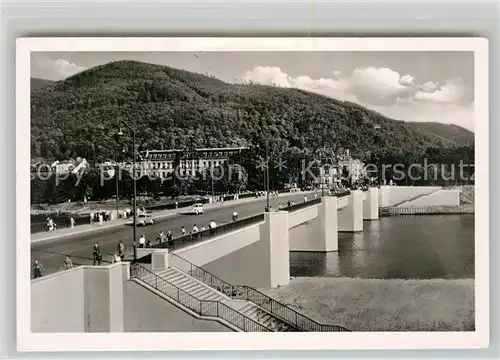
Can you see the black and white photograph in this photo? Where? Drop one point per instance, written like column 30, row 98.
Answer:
column 224, row 185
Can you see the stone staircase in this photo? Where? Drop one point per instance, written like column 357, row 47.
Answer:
column 263, row 317
column 199, row 290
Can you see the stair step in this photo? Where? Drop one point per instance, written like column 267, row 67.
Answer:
column 182, row 282
column 245, row 308
column 210, row 296
column 199, row 293
column 174, row 276
column 189, row 288
column 252, row 312
column 192, row 287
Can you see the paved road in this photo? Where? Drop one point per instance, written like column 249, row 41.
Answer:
column 79, row 247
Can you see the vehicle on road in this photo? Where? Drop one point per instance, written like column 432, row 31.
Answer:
column 144, row 219
column 197, row 209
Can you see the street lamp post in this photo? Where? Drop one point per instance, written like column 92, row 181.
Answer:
column 117, row 188
column 267, row 179
column 134, row 181
column 321, row 172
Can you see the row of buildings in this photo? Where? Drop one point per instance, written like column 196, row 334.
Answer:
column 162, row 163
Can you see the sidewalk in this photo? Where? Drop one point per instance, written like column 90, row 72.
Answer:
column 82, row 229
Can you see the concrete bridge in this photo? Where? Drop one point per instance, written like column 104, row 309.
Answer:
column 254, row 250
column 258, row 247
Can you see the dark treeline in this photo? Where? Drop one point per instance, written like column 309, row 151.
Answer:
column 246, row 174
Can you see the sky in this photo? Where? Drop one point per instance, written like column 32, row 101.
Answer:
column 411, row 86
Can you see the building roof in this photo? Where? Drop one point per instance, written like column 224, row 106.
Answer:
column 196, row 149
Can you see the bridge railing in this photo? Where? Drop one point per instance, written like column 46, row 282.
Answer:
column 244, row 292
column 194, row 238
column 201, row 307
column 316, row 201
column 302, row 205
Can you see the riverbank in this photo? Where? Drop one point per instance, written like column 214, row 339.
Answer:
column 383, row 305
column 465, row 209
column 83, row 208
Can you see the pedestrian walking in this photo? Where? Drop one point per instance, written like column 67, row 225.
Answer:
column 68, row 263
column 37, row 269
column 195, row 229
column 97, row 255
column 170, row 238
column 121, row 250
column 50, row 224
column 100, row 219
column 91, row 218
column 71, row 222
column 142, row 241
column 212, row 225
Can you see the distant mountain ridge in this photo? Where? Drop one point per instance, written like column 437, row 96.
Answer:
column 454, row 133
column 174, row 108
column 37, row 83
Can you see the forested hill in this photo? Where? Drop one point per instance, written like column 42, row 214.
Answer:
column 172, row 108
column 454, row 133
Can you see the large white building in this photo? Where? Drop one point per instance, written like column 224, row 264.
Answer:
column 161, row 163
column 346, row 168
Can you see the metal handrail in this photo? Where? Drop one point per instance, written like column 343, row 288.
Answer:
column 201, row 307
column 302, row 205
column 202, row 275
column 244, row 292
column 305, row 204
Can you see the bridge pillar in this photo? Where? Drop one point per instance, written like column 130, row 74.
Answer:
column 370, row 204
column 326, row 239
column 350, row 219
column 275, row 247
column 384, row 196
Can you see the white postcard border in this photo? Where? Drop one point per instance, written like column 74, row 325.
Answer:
column 28, row 341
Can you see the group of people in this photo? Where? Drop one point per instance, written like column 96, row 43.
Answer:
column 118, row 256
column 51, row 225
column 38, row 270
column 169, row 237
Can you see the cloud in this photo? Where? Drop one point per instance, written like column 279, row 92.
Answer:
column 451, row 92
column 54, row 69
column 384, row 90
column 428, row 86
column 406, row 80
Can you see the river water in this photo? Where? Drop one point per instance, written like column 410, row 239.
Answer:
column 419, row 247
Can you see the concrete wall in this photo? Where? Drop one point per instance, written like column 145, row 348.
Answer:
column 350, row 218
column 326, row 237
column 370, row 204
column 84, row 299
column 210, row 250
column 439, row 198
column 303, row 215
column 393, row 195
column 57, row 302
column 264, row 263
column 148, row 312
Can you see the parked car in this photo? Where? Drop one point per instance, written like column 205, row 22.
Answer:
column 197, row 209
column 144, row 219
